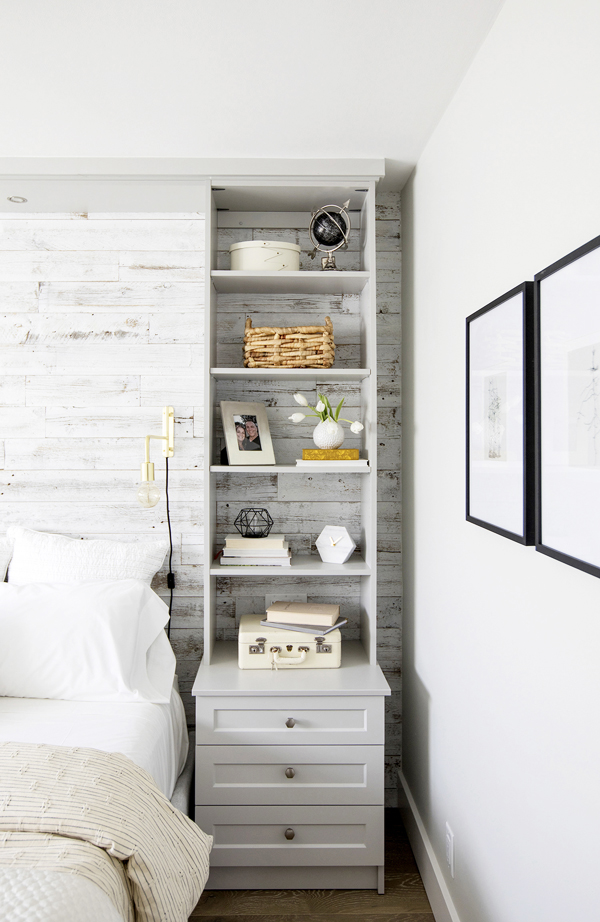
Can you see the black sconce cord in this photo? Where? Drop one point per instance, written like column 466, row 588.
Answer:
column 170, row 574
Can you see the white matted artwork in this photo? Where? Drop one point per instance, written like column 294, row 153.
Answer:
column 247, row 435
column 568, row 363
column 499, row 457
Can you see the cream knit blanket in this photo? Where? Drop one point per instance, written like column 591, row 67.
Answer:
column 100, row 816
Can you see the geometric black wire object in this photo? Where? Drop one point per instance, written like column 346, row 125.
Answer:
column 254, row 523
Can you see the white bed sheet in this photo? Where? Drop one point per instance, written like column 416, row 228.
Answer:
column 154, row 736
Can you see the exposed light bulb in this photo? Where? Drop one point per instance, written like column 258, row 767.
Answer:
column 148, row 494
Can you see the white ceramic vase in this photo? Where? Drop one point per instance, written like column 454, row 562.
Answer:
column 328, row 434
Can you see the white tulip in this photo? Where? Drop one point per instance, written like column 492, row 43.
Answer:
column 297, row 417
column 357, row 427
column 301, row 399
column 320, row 406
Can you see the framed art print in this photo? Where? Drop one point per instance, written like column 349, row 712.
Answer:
column 567, row 357
column 500, row 435
column 247, row 434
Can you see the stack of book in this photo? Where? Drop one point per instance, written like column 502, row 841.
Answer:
column 272, row 551
column 342, row 457
column 314, row 618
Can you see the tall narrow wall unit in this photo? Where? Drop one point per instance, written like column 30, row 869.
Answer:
column 289, row 775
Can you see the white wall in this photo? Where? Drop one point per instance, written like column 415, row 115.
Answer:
column 501, row 644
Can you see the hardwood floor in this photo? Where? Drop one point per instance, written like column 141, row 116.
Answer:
column 404, row 899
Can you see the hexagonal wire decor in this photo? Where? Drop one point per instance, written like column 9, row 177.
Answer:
column 254, row 523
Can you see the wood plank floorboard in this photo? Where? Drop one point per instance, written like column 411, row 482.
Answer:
column 404, row 899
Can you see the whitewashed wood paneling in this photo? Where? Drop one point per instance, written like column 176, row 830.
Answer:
column 122, row 234
column 18, row 297
column 171, row 265
column 96, row 453
column 117, row 296
column 87, row 391
column 46, row 329
column 36, row 265
column 28, row 422
column 115, row 422
column 12, row 390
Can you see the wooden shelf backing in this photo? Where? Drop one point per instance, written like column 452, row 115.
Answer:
column 327, row 467
column 294, row 374
column 304, row 282
column 302, row 565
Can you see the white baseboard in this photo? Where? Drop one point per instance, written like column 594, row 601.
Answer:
column 435, row 886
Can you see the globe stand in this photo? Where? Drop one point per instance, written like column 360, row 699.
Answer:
column 328, row 263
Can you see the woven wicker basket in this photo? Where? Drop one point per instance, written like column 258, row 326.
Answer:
column 289, row 347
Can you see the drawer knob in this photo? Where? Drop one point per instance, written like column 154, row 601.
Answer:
column 289, row 773
column 290, row 722
column 289, row 833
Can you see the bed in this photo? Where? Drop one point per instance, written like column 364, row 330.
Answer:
column 95, row 766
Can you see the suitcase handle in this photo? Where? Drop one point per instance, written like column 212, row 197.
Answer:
column 278, row 660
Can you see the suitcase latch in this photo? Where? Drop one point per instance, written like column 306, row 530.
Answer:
column 259, row 646
column 322, row 647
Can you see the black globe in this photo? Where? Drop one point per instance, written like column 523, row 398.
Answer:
column 326, row 228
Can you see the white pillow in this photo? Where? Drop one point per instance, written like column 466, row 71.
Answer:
column 38, row 557
column 5, row 555
column 101, row 641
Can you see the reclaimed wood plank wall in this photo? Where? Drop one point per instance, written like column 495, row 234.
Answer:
column 100, row 326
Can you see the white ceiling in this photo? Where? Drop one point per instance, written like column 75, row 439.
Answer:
column 233, row 78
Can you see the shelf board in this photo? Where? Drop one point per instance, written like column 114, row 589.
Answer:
column 327, row 467
column 304, row 282
column 354, row 677
column 294, row 374
column 302, row 565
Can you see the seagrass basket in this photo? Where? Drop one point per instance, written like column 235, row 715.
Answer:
column 289, row 347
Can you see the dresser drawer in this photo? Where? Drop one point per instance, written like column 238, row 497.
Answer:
column 256, row 836
column 289, row 775
column 290, row 720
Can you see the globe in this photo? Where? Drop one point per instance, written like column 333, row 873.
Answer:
column 329, row 228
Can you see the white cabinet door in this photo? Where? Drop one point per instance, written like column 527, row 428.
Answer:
column 289, row 775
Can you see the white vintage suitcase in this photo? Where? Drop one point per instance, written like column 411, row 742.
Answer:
column 262, row 647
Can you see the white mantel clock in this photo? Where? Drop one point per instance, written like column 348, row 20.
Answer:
column 334, row 544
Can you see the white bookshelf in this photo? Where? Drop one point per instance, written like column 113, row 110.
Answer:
column 241, row 714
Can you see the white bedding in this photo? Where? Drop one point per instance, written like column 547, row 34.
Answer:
column 154, row 736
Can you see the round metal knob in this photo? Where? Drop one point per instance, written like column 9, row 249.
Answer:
column 290, row 722
column 289, row 833
column 289, row 773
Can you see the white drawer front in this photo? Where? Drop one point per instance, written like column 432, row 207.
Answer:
column 256, row 836
column 289, row 775
column 293, row 721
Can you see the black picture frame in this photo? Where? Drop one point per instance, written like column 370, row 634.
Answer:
column 500, row 435
column 567, row 408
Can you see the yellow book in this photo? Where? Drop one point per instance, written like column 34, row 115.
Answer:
column 334, row 454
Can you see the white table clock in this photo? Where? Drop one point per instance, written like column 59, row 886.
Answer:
column 334, row 544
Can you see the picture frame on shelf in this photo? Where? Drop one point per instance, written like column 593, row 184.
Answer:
column 500, row 464
column 567, row 369
column 247, row 434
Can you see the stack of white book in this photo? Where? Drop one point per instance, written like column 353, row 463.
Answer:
column 272, row 551
column 306, row 617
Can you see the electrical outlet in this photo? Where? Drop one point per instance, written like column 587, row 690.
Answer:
column 450, row 849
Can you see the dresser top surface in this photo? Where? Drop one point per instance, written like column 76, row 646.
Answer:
column 354, row 677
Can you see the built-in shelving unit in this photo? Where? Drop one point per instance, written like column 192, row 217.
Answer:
column 244, row 715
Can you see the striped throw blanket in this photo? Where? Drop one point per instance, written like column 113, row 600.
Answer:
column 101, row 817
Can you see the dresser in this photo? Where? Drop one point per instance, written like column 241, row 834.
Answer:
column 290, row 774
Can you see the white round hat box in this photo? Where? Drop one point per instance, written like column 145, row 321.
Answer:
column 265, row 255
